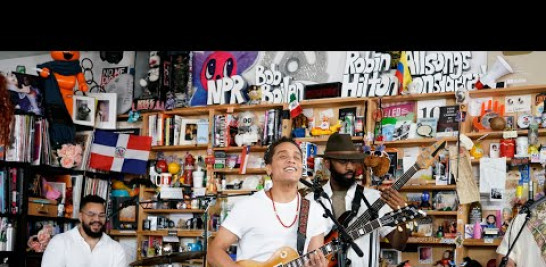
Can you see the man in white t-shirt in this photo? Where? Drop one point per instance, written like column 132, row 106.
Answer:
column 268, row 220
column 86, row 244
column 529, row 249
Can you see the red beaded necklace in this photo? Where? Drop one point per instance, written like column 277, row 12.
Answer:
column 277, row 215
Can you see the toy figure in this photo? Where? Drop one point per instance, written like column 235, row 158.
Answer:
column 506, row 219
column 39, row 242
column 150, row 82
column 58, row 92
column 447, row 259
column 66, row 69
column 247, row 130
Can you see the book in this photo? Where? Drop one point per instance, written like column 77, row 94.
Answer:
column 447, row 122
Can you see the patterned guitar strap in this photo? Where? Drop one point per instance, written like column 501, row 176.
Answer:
column 302, row 224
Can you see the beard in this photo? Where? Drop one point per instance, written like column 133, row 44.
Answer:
column 87, row 229
column 343, row 179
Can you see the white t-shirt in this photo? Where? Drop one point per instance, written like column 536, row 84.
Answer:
column 364, row 241
column 259, row 231
column 526, row 251
column 70, row 250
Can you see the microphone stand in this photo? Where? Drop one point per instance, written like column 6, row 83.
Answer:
column 504, row 260
column 345, row 238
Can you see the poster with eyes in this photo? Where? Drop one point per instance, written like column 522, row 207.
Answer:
column 517, row 103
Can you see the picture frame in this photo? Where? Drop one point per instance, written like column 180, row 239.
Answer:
column 392, row 256
column 188, row 131
column 84, row 109
column 106, row 110
column 425, row 255
column 126, row 216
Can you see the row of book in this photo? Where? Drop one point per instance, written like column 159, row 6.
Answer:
column 11, row 188
column 174, row 130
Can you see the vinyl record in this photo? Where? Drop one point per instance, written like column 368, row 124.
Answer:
column 123, row 87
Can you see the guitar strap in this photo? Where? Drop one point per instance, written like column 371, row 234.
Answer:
column 355, row 205
column 373, row 215
column 302, row 224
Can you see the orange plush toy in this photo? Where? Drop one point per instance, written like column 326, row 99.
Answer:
column 67, row 71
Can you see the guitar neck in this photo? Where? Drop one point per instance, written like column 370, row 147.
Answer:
column 366, row 229
column 327, row 249
column 378, row 204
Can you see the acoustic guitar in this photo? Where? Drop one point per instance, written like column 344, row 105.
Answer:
column 289, row 257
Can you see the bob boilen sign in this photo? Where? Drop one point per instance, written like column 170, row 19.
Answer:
column 367, row 74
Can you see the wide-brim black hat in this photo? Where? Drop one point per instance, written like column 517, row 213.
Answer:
column 340, row 146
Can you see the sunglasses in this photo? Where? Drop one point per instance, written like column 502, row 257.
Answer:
column 376, row 153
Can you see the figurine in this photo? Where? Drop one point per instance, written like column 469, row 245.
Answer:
column 247, row 130
column 67, row 70
column 425, row 197
column 447, row 259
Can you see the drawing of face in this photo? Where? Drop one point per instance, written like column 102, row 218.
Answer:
column 217, row 66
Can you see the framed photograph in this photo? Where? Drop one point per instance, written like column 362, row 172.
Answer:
column 84, row 110
column 106, row 110
column 126, row 216
column 425, row 255
column 188, row 131
column 391, row 256
column 509, row 123
column 84, row 138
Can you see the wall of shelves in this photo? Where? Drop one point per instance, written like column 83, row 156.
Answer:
column 368, row 105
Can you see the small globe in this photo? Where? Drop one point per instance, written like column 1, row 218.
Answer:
column 497, row 123
column 173, row 168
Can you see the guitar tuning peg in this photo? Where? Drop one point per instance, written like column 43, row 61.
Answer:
column 395, row 221
column 412, row 217
column 400, row 229
column 404, row 219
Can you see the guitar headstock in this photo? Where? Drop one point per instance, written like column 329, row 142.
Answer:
column 402, row 215
column 428, row 155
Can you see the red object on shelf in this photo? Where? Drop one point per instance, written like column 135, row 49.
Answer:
column 507, row 148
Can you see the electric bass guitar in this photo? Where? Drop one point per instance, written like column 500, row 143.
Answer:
column 289, row 257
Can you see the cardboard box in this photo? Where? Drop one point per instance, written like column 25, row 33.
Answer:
column 42, row 207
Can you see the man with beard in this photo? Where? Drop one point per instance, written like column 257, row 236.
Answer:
column 342, row 159
column 266, row 221
column 86, row 244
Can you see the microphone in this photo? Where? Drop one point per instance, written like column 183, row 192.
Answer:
column 317, row 189
column 531, row 204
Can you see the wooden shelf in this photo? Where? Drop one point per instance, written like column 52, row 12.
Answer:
column 498, row 134
column 477, row 161
column 122, row 233
column 427, row 240
column 431, row 240
column 415, row 142
column 333, row 102
column 174, row 210
column 441, row 213
column 180, row 148
column 191, row 111
column 416, row 97
column 240, row 148
column 431, row 187
column 481, row 243
column 236, row 171
column 234, row 108
column 165, row 232
column 516, row 90
column 323, row 139
column 239, row 191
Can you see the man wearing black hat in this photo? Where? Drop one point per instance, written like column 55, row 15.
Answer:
column 342, row 159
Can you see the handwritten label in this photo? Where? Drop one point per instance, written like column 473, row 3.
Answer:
column 509, row 134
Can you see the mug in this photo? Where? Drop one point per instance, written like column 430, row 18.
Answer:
column 163, row 179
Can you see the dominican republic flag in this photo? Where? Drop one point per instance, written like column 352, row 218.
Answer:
column 120, row 152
